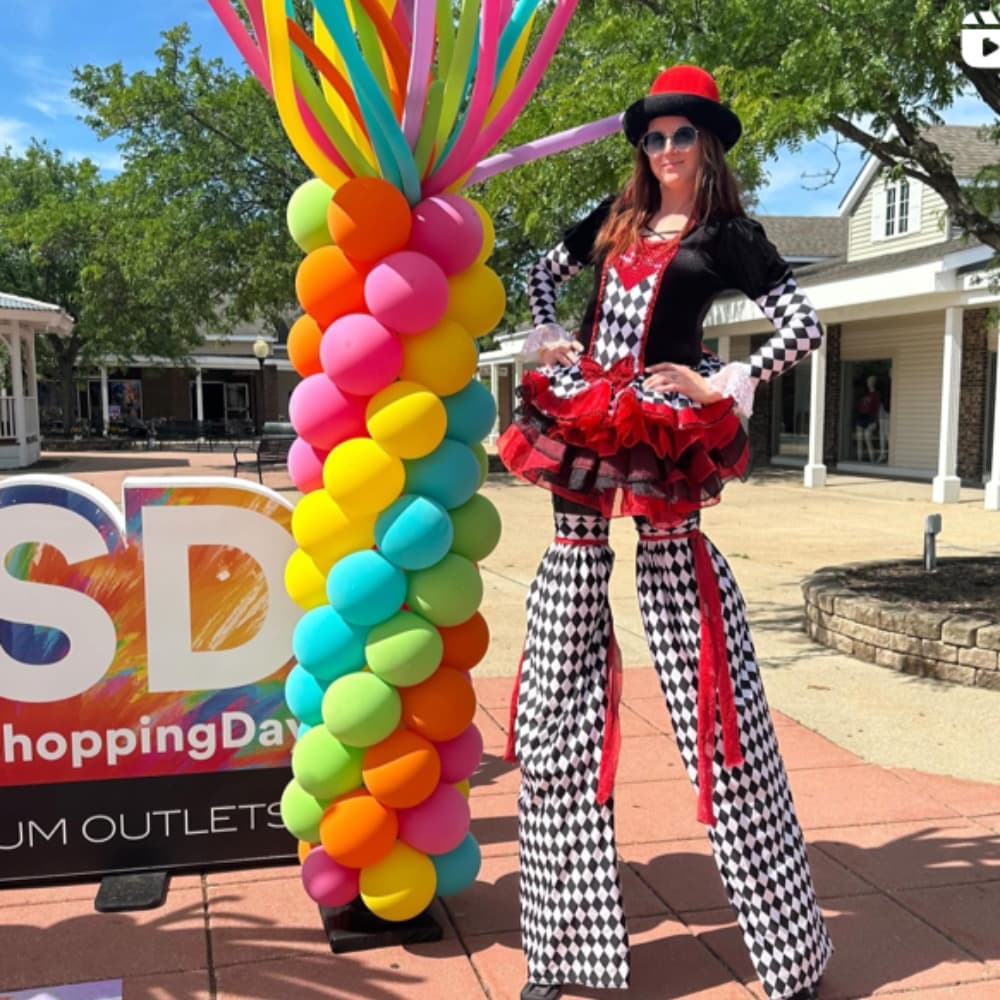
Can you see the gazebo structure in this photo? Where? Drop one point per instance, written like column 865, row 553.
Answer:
column 21, row 320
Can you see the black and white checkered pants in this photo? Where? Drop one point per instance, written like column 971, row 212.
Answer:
column 572, row 917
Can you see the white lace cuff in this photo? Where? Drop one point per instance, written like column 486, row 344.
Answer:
column 734, row 380
column 547, row 333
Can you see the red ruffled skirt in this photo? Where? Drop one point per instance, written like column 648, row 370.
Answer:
column 610, row 447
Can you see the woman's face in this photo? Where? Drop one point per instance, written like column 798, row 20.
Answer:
column 674, row 168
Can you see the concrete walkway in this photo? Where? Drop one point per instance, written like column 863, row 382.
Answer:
column 906, row 855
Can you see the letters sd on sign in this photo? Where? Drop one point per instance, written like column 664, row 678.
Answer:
column 142, row 665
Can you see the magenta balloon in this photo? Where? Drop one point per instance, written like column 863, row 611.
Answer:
column 324, row 415
column 327, row 882
column 407, row 292
column 360, row 354
column 305, row 465
column 449, row 230
column 439, row 823
column 461, row 756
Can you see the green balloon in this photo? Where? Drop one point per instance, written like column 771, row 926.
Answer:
column 448, row 593
column 361, row 709
column 404, row 649
column 477, row 528
column 323, row 766
column 479, row 450
column 306, row 215
column 301, row 812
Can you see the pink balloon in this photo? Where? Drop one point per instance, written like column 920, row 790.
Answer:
column 305, row 465
column 448, row 230
column 327, row 882
column 324, row 415
column 360, row 354
column 407, row 292
column 461, row 756
column 439, row 823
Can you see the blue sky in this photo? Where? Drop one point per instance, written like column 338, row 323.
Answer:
column 42, row 40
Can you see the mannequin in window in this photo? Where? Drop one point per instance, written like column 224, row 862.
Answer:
column 866, row 420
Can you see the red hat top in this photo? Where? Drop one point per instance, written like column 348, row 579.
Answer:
column 686, row 79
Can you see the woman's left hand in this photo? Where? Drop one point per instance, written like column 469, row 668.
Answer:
column 668, row 377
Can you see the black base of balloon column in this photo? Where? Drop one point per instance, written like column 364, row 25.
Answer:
column 355, row 928
column 134, row 891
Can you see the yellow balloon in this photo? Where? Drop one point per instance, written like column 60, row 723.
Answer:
column 464, row 787
column 399, row 886
column 489, row 232
column 305, row 583
column 476, row 299
column 362, row 477
column 443, row 358
column 407, row 419
column 326, row 532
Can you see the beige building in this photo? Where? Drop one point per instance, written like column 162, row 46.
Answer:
column 906, row 382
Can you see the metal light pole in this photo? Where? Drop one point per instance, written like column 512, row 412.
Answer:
column 261, row 351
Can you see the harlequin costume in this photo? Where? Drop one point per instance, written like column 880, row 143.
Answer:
column 605, row 446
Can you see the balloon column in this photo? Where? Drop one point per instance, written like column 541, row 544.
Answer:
column 392, row 106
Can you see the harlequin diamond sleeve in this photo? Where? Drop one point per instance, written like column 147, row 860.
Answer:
column 557, row 266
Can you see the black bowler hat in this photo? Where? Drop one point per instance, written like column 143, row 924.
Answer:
column 688, row 91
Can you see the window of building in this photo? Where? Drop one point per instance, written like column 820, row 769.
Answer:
column 790, row 410
column 991, row 401
column 866, row 411
column 896, row 209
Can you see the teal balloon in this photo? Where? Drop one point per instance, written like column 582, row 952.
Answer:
column 405, row 650
column 471, row 413
column 306, row 215
column 304, row 695
column 449, row 474
column 413, row 532
column 327, row 645
column 457, row 869
column 477, row 528
column 325, row 767
column 484, row 463
column 301, row 812
column 365, row 588
column 448, row 593
column 361, row 709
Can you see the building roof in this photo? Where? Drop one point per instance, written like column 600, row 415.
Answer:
column 8, row 301
column 807, row 236
column 969, row 147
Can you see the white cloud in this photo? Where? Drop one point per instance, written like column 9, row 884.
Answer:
column 13, row 132
column 46, row 90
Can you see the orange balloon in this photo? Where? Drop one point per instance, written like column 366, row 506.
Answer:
column 369, row 218
column 303, row 346
column 329, row 286
column 441, row 707
column 466, row 644
column 356, row 830
column 402, row 770
column 304, row 848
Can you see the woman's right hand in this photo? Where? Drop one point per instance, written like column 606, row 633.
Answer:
column 560, row 352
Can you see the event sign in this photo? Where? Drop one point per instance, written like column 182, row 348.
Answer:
column 142, row 665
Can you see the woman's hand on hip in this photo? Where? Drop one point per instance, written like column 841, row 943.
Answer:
column 560, row 352
column 668, row 377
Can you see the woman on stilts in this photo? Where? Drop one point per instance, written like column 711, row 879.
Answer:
column 632, row 417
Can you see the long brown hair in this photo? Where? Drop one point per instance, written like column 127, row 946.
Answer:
column 717, row 196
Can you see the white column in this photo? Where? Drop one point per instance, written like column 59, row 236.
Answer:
column 105, row 404
column 495, row 389
column 199, row 399
column 31, row 368
column 993, row 486
column 17, row 387
column 946, row 487
column 814, row 474
column 725, row 349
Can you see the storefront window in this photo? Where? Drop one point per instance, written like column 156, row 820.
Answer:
column 866, row 410
column 791, row 412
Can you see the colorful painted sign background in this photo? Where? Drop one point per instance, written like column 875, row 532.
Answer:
column 150, row 644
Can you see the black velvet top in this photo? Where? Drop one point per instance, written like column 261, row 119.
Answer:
column 713, row 257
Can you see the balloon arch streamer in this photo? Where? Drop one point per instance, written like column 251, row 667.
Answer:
column 394, row 107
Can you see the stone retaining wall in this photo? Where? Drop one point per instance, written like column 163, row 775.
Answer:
column 963, row 649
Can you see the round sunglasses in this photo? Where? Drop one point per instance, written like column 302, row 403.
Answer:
column 656, row 142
